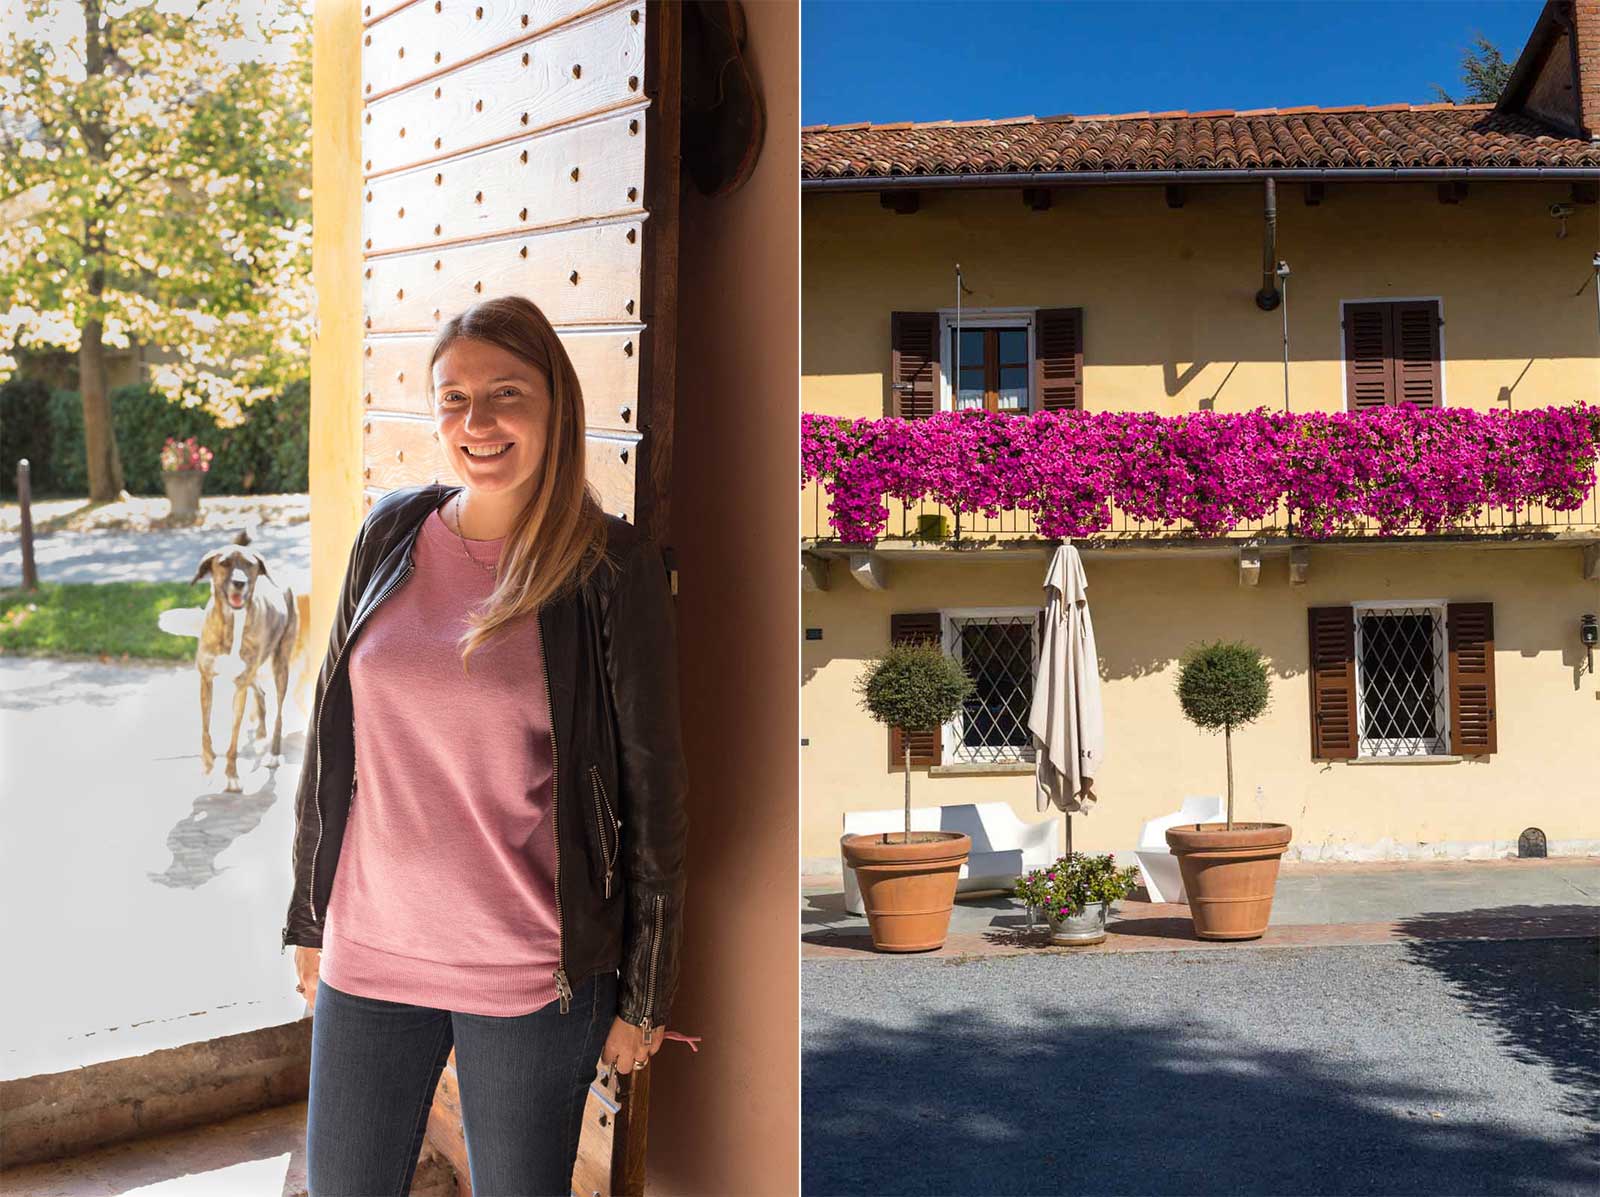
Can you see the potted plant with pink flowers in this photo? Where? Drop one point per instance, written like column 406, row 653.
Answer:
column 1075, row 894
column 183, row 469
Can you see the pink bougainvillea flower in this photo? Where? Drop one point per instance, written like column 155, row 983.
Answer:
column 1327, row 473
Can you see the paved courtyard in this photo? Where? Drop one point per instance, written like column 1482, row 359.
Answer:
column 1314, row 904
column 1428, row 1067
column 156, row 556
column 140, row 902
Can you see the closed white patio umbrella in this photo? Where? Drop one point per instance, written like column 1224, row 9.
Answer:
column 1066, row 720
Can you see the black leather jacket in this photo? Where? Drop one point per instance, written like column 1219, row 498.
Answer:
column 620, row 777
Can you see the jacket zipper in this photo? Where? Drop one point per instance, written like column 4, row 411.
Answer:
column 563, row 987
column 650, row 984
column 602, row 810
column 316, row 792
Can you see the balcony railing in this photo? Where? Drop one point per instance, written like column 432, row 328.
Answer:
column 932, row 525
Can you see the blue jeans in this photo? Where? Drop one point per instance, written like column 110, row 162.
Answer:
column 523, row 1080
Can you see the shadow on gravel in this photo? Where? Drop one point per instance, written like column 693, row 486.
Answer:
column 972, row 1106
column 1541, row 1008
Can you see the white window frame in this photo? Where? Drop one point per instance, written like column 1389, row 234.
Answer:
column 950, row 733
column 983, row 318
column 1344, row 362
column 1441, row 639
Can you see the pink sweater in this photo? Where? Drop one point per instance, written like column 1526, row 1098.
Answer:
column 444, row 894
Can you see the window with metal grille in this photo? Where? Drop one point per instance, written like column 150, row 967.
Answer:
column 1402, row 680
column 1001, row 652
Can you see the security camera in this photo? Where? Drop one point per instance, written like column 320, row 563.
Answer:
column 1561, row 211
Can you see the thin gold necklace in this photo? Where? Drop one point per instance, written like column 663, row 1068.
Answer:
column 491, row 570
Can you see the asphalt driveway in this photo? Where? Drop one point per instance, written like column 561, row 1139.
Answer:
column 1431, row 1067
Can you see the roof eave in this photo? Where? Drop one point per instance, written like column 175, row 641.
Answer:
column 1039, row 178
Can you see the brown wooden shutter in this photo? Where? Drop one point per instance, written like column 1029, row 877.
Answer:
column 1368, row 356
column 914, row 364
column 1416, row 353
column 1470, row 630
column 1058, row 364
column 1392, row 354
column 1332, row 632
column 926, row 746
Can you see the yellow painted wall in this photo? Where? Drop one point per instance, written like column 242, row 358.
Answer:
column 1170, row 325
column 1147, row 611
column 335, row 455
column 1169, row 318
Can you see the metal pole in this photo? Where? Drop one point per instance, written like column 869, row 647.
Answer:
column 30, row 571
column 1283, row 281
column 955, row 368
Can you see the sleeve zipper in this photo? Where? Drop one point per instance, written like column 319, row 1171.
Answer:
column 655, row 956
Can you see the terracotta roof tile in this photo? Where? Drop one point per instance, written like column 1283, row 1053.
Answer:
column 1382, row 136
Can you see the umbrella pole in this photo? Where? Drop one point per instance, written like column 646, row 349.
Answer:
column 1069, row 833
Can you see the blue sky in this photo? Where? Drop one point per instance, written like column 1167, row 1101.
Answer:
column 890, row 60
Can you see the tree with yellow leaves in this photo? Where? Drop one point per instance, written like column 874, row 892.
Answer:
column 155, row 166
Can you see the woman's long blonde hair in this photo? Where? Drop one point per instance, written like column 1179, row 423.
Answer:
column 560, row 536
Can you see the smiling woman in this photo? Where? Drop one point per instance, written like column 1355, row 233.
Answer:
column 513, row 844
column 508, row 412
column 491, row 413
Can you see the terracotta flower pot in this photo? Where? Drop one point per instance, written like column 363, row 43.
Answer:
column 1229, row 875
column 907, row 889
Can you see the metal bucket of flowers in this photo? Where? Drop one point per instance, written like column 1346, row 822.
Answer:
column 1075, row 894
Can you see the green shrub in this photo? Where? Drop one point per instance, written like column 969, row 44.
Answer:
column 1074, row 881
column 1220, row 687
column 913, row 686
column 144, row 418
column 68, row 469
column 267, row 453
column 25, row 432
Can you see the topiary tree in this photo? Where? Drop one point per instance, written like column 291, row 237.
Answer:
column 915, row 687
column 1221, row 687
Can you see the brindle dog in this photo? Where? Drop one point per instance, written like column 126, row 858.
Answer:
column 250, row 622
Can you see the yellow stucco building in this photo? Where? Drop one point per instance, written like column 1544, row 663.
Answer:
column 1436, row 254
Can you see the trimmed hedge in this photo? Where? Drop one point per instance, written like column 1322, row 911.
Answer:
column 26, row 430
column 268, row 453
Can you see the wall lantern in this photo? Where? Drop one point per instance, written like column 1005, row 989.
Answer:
column 1589, row 633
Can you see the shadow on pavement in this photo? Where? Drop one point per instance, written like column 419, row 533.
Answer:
column 1541, row 1012
column 976, row 1105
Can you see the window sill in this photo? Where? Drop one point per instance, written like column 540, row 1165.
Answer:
column 982, row 769
column 1427, row 759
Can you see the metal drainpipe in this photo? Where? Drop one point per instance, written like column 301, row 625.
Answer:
column 1268, row 298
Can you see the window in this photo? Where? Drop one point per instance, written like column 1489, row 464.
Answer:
column 1402, row 680
column 1000, row 650
column 992, row 365
column 1393, row 353
column 1004, row 360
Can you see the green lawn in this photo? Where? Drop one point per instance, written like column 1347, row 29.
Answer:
column 115, row 619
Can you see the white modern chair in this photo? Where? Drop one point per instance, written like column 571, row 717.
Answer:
column 1003, row 845
column 1157, row 864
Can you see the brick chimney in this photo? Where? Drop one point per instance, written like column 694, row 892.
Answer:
column 1586, row 58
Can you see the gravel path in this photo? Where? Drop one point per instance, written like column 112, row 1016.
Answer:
column 1447, row 1068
